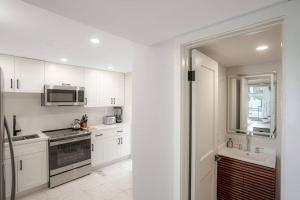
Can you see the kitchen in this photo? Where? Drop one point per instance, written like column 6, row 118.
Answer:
column 67, row 122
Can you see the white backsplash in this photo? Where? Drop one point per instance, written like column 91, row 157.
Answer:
column 31, row 116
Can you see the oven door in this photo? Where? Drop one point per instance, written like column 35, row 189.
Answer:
column 69, row 154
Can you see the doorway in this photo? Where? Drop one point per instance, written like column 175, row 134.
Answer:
column 207, row 101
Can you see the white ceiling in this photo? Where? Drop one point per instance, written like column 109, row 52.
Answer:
column 29, row 31
column 241, row 50
column 150, row 21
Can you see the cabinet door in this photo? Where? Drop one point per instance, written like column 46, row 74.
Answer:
column 7, row 66
column 32, row 171
column 125, row 145
column 106, row 89
column 58, row 74
column 92, row 87
column 118, row 88
column 97, row 152
column 29, row 75
column 8, row 176
column 111, row 149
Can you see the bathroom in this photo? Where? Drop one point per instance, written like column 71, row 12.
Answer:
column 240, row 77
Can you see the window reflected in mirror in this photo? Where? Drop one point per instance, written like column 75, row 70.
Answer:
column 251, row 104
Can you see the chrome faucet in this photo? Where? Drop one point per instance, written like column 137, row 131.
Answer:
column 248, row 141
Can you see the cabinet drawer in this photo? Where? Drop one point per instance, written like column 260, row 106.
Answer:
column 101, row 134
column 28, row 148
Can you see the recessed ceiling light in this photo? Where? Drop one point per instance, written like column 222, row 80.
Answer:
column 262, row 48
column 63, row 59
column 110, row 67
column 95, row 40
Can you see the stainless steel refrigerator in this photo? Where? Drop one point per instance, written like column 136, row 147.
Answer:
column 5, row 130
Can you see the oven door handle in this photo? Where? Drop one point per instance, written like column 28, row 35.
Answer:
column 69, row 140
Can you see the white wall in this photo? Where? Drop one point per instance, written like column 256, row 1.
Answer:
column 127, row 113
column 31, row 116
column 222, row 106
column 156, row 95
column 153, row 124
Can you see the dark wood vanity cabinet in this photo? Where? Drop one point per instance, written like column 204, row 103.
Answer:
column 238, row 180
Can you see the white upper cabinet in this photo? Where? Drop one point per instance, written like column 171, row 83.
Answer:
column 92, row 85
column 118, row 88
column 58, row 74
column 111, row 88
column 29, row 75
column 22, row 74
column 106, row 87
column 8, row 68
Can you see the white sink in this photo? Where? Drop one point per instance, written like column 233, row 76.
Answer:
column 264, row 159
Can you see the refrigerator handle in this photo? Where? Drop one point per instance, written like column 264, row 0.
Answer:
column 13, row 165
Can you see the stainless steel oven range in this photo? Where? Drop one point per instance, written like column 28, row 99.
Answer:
column 69, row 155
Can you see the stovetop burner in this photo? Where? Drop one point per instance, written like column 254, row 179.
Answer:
column 65, row 133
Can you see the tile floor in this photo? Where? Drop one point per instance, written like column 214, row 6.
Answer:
column 110, row 183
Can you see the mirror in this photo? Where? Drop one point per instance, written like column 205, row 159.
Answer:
column 252, row 104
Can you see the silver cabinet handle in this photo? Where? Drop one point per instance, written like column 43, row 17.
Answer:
column 86, row 101
column 114, row 100
column 21, row 165
column 65, row 84
column 18, row 84
column 121, row 140
column 99, row 135
column 11, row 83
column 120, row 131
column 92, row 147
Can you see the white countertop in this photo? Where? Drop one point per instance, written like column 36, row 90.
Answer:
column 103, row 126
column 263, row 159
column 43, row 137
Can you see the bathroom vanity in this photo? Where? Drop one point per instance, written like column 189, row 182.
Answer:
column 246, row 175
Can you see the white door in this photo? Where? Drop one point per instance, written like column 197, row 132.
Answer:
column 8, row 68
column 92, row 87
column 32, row 171
column 112, row 149
column 204, row 123
column 58, row 74
column 97, row 152
column 29, row 75
column 125, row 145
column 118, row 88
column 106, row 89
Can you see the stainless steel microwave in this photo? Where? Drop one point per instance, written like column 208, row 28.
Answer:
column 63, row 95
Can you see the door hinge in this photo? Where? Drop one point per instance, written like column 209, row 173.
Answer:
column 191, row 75
column 217, row 158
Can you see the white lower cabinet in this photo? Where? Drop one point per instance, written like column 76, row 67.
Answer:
column 125, row 145
column 109, row 146
column 31, row 163
column 111, row 149
column 32, row 171
column 97, row 152
column 8, row 175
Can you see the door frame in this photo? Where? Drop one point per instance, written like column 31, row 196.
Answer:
column 184, row 62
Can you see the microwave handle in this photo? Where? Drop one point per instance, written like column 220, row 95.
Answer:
column 65, row 84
